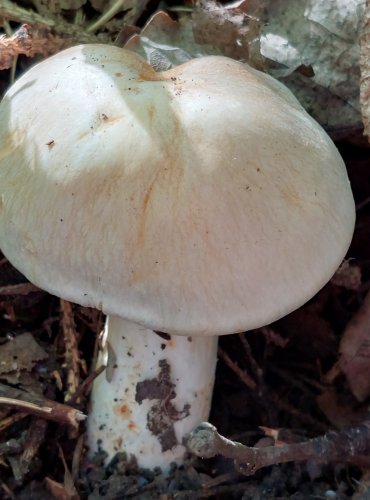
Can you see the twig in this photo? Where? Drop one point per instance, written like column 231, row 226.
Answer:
column 35, row 436
column 246, row 490
column 9, row 32
column 220, row 479
column 38, row 34
column 244, row 377
column 272, row 337
column 45, row 408
column 82, row 388
column 362, row 204
column 19, row 289
column 348, row 445
column 250, row 358
column 71, row 356
column 29, row 41
column 262, row 396
column 12, row 419
column 18, row 43
column 7, row 492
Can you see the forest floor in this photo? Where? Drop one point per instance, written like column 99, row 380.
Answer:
column 281, row 384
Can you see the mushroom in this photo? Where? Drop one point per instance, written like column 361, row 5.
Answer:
column 186, row 204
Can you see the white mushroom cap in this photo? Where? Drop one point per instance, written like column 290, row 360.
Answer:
column 201, row 200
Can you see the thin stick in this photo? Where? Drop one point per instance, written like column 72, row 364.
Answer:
column 244, row 377
column 71, row 355
column 35, row 436
column 38, row 34
column 348, row 445
column 19, row 289
column 45, row 408
column 82, row 388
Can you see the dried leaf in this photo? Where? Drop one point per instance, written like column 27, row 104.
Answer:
column 323, row 35
column 211, row 30
column 233, row 28
column 354, row 351
column 68, row 479
column 304, row 327
column 20, row 353
column 339, row 413
column 347, row 276
column 164, row 42
column 313, row 45
column 58, row 490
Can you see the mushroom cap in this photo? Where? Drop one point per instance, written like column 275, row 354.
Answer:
column 201, row 200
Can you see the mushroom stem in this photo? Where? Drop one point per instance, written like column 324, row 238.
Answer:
column 155, row 390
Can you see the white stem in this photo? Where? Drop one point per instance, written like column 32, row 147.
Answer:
column 154, row 391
